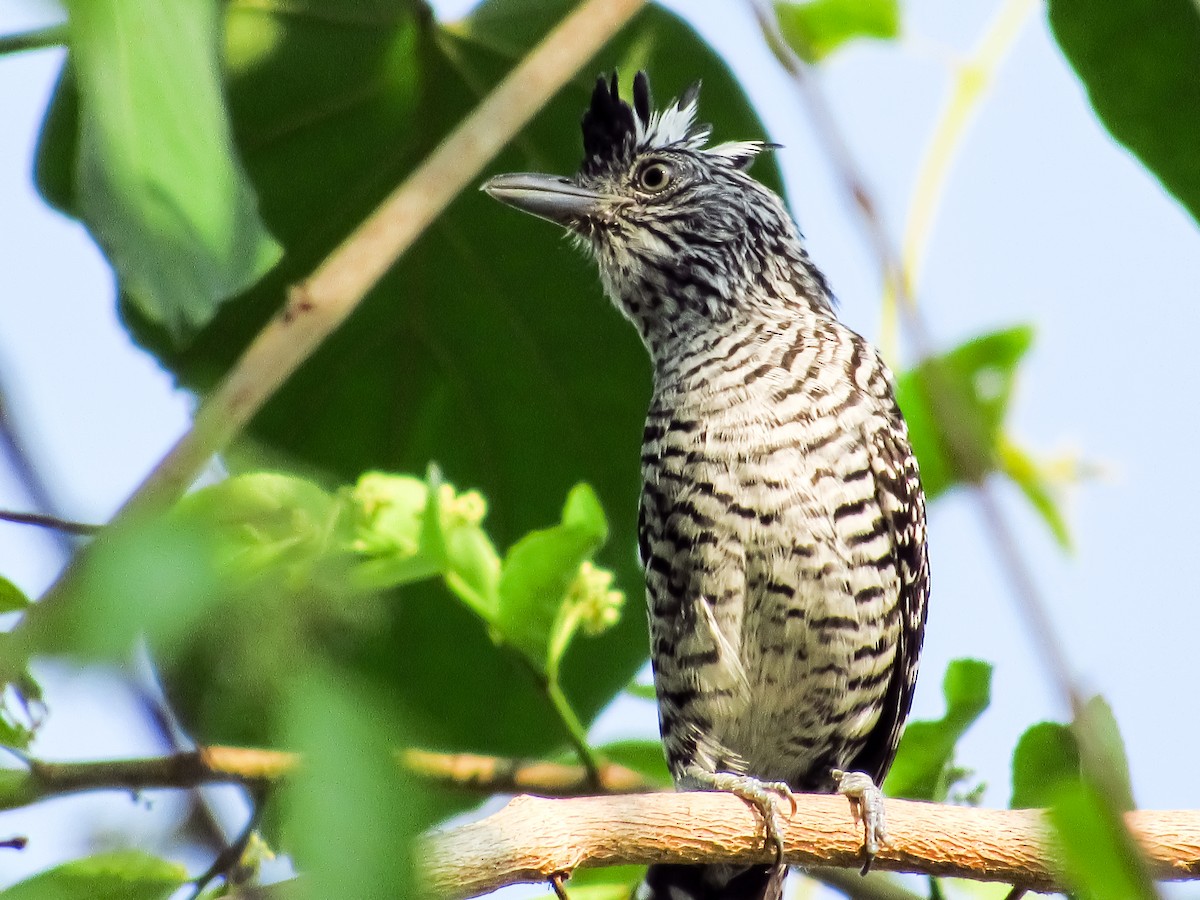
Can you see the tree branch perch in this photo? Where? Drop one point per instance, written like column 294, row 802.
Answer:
column 533, row 838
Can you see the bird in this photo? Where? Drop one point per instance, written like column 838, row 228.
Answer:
column 781, row 521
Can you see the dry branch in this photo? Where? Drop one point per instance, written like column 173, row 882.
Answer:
column 533, row 838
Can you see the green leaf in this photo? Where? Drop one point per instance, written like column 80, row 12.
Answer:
column 1038, row 486
column 819, row 27
column 1099, row 858
column 265, row 520
column 924, row 763
column 644, row 757
column 12, row 598
column 969, row 387
column 21, row 706
column 641, row 691
column 1103, row 751
column 396, row 524
column 538, row 572
column 156, row 177
column 1140, row 63
column 605, row 882
column 119, row 875
column 349, row 786
column 1044, row 758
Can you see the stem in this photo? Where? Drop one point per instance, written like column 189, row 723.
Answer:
column 970, row 86
column 40, row 520
column 573, row 729
column 38, row 39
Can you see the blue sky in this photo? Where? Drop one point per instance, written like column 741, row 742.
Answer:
column 1045, row 221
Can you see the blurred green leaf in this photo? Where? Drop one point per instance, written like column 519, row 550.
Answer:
column 1038, row 487
column 644, row 757
column 141, row 578
column 1103, row 752
column 1098, row 856
column 265, row 520
column 537, row 576
column 925, row 759
column 156, row 177
column 20, row 694
column 119, row 875
column 1045, row 757
column 1140, row 63
column 641, row 691
column 819, row 27
column 605, row 882
column 12, row 598
column 970, row 387
column 350, row 814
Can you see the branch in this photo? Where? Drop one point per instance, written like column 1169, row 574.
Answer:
column 54, row 523
column 532, row 839
column 227, row 765
column 256, row 768
column 501, row 775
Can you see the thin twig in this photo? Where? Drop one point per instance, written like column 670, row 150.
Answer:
column 54, row 523
column 26, row 471
column 256, row 768
column 40, row 39
column 504, row 775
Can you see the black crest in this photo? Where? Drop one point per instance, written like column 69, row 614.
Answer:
column 609, row 125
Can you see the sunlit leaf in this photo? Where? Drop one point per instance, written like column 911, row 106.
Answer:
column 819, row 27
column 1140, row 63
column 924, row 762
column 1098, row 856
column 965, row 391
column 1039, row 488
column 605, row 882
column 119, row 875
column 156, row 177
column 12, row 598
column 1103, row 751
column 350, row 814
column 1045, row 756
column 538, row 572
column 644, row 757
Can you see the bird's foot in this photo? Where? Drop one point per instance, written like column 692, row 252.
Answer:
column 765, row 796
column 866, row 805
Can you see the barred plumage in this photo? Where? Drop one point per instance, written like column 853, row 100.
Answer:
column 782, row 522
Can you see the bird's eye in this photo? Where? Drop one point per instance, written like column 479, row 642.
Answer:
column 654, row 177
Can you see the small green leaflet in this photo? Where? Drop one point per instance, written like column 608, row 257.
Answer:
column 120, row 875
column 818, row 28
column 924, row 765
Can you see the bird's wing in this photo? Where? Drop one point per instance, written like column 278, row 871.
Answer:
column 900, row 496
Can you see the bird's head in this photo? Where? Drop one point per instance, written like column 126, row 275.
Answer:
column 684, row 237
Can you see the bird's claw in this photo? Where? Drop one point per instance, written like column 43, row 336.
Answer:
column 866, row 805
column 762, row 795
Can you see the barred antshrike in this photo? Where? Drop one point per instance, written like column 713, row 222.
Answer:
column 782, row 521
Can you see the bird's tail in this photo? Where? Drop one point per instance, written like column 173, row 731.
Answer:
column 674, row 882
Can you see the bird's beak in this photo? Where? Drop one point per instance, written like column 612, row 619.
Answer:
column 548, row 197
